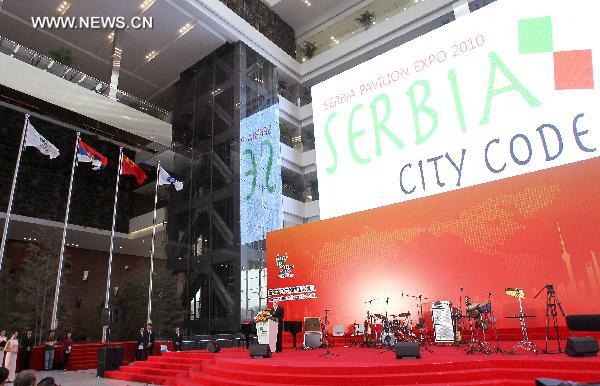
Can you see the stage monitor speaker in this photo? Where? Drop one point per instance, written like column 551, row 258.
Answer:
column 582, row 347
column 583, row 322
column 260, row 351
column 550, row 382
column 109, row 358
column 408, row 350
column 213, row 347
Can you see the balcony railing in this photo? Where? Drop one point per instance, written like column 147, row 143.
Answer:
column 376, row 12
column 25, row 55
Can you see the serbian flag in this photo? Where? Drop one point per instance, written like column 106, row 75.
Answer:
column 86, row 153
column 130, row 167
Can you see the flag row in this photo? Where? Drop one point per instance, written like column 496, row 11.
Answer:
column 87, row 154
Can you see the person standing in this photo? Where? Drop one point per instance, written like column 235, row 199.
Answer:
column 177, row 340
column 3, row 340
column 68, row 345
column 27, row 342
column 278, row 314
column 140, row 349
column 12, row 350
column 149, row 338
column 49, row 351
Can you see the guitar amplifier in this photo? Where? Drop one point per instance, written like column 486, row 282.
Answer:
column 312, row 339
column 312, row 324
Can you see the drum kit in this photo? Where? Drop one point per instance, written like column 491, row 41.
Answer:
column 450, row 324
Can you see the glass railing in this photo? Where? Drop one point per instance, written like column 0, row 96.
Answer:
column 379, row 11
column 297, row 95
column 25, row 55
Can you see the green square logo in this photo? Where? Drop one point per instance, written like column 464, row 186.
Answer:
column 535, row 35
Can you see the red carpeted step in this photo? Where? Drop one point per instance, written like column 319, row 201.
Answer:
column 149, row 371
column 163, row 365
column 151, row 379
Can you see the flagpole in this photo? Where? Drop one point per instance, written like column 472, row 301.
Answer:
column 12, row 193
column 153, row 237
column 112, row 244
column 54, row 322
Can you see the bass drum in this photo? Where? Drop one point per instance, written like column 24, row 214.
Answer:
column 388, row 339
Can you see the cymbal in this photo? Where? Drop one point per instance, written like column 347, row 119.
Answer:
column 379, row 316
column 404, row 314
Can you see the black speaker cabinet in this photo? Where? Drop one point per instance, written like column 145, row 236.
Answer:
column 408, row 350
column 583, row 322
column 109, row 358
column 260, row 351
column 582, row 347
column 213, row 347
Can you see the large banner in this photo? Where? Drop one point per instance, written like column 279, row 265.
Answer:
column 261, row 205
column 526, row 232
column 504, row 91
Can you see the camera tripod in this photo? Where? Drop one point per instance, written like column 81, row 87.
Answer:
column 552, row 303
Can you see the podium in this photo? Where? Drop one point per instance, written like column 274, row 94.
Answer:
column 267, row 333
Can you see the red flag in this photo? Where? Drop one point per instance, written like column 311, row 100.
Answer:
column 130, row 167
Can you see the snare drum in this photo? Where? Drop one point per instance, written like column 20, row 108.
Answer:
column 388, row 339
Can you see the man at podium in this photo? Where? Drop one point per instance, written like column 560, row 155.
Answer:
column 277, row 314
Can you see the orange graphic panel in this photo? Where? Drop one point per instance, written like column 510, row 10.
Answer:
column 524, row 232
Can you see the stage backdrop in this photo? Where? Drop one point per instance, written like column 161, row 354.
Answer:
column 527, row 231
column 482, row 139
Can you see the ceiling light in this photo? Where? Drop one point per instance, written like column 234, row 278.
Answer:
column 62, row 7
column 146, row 4
column 307, row 3
column 151, row 55
column 186, row 28
column 111, row 36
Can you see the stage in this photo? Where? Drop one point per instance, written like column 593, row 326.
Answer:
column 358, row 366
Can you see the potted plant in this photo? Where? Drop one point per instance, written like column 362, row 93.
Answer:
column 63, row 56
column 309, row 49
column 366, row 19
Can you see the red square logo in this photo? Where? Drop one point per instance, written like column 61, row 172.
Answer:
column 573, row 70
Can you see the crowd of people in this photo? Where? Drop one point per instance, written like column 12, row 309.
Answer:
column 25, row 378
column 9, row 352
column 10, row 345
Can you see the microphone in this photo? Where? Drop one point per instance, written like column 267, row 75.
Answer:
column 490, row 294
column 461, row 289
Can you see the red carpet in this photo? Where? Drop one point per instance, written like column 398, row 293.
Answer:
column 357, row 366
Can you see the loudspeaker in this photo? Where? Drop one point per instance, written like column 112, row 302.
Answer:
column 583, row 322
column 109, row 358
column 260, row 351
column 582, row 347
column 408, row 350
column 213, row 347
column 312, row 339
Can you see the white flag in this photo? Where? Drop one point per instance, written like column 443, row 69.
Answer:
column 35, row 139
column 165, row 178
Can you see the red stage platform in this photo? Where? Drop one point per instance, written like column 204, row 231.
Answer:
column 357, row 366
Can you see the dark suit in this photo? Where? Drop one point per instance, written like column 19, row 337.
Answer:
column 279, row 315
column 149, row 337
column 27, row 342
column 140, row 352
column 177, row 341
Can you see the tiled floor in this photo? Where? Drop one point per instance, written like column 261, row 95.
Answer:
column 82, row 378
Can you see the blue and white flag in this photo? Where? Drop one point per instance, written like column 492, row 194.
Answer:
column 165, row 178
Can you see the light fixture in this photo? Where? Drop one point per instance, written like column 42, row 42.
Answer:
column 111, row 36
column 186, row 28
column 151, row 55
column 307, row 3
column 62, row 7
column 146, row 4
